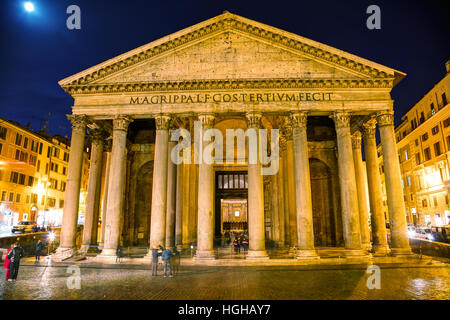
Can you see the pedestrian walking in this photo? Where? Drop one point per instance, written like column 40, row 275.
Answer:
column 38, row 252
column 175, row 261
column 154, row 261
column 167, row 267
column 118, row 254
column 7, row 263
column 236, row 245
column 160, row 253
column 14, row 256
column 244, row 243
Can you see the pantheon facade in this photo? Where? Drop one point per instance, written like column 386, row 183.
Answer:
column 230, row 72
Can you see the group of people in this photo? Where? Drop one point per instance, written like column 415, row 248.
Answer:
column 170, row 259
column 12, row 261
column 239, row 242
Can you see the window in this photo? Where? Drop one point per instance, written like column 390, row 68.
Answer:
column 32, row 160
column 408, row 178
column 61, row 203
column 4, row 194
column 49, row 152
column 433, row 111
column 34, row 198
column 38, row 167
column 422, row 118
column 30, row 181
column 18, row 139
column 46, row 168
column 14, row 177
column 56, row 152
column 64, row 170
column 54, row 184
column 3, row 133
column 437, row 149
column 54, row 167
column 417, row 158
column 21, row 179
column 40, row 148
column 1, row 147
column 425, row 136
column 435, row 130
column 411, row 196
column 427, row 154
column 51, row 202
column 18, row 197
column 435, row 203
column 406, row 155
column 446, row 122
column 17, row 157
column 417, row 142
column 11, row 197
column 424, row 203
column 444, row 99
column 25, row 142
column 28, row 199
column 66, row 157
column 63, row 185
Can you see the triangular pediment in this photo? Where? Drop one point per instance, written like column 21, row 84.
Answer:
column 231, row 47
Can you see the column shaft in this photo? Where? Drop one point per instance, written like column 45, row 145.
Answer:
column 116, row 183
column 205, row 215
column 179, row 208
column 72, row 194
column 280, row 195
column 256, row 228
column 361, row 190
column 394, row 190
column 275, row 210
column 378, row 223
column 349, row 194
column 291, row 187
column 159, row 190
column 303, row 201
column 93, row 197
column 171, row 198
column 107, row 162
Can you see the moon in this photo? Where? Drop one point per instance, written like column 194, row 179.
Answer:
column 29, row 6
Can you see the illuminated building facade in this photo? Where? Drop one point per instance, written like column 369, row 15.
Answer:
column 423, row 144
column 33, row 175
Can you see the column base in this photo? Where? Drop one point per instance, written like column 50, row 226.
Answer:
column 381, row 250
column 367, row 246
column 62, row 254
column 108, row 253
column 355, row 253
column 205, row 255
column 306, row 254
column 401, row 252
column 84, row 249
column 257, row 254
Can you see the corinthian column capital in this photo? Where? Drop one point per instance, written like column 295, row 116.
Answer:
column 163, row 122
column 98, row 135
column 385, row 118
column 287, row 131
column 79, row 122
column 341, row 119
column 298, row 119
column 369, row 129
column 253, row 119
column 207, row 120
column 122, row 122
column 356, row 140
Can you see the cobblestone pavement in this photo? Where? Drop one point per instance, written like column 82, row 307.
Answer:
column 194, row 282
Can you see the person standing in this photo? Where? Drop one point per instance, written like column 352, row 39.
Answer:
column 38, row 252
column 7, row 263
column 154, row 261
column 166, row 256
column 14, row 256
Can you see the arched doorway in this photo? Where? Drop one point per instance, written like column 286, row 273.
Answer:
column 322, row 204
column 143, row 204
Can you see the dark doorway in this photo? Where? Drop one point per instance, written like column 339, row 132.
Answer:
column 231, row 190
column 322, row 204
column 143, row 204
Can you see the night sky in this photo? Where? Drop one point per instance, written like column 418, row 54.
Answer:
column 37, row 50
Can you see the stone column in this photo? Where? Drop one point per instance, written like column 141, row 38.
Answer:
column 394, row 190
column 171, row 197
column 361, row 190
column 291, row 187
column 349, row 193
column 114, row 206
column 93, row 196
column 275, row 209
column 205, row 216
column 72, row 194
column 179, row 209
column 305, row 233
column 378, row 223
column 280, row 195
column 257, row 246
column 107, row 148
column 159, row 190
column 287, row 236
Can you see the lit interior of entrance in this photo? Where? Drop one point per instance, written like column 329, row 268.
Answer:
column 231, row 203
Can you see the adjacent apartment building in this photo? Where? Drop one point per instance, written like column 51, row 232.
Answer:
column 33, row 175
column 423, row 144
